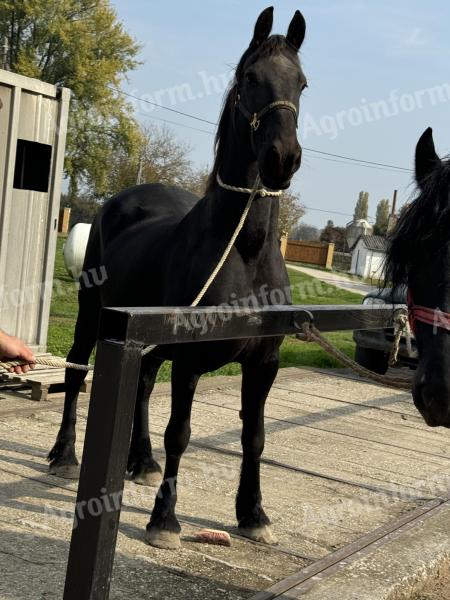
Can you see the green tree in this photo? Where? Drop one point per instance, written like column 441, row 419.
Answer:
column 382, row 218
column 79, row 44
column 291, row 211
column 362, row 207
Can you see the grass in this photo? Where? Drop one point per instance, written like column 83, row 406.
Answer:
column 305, row 290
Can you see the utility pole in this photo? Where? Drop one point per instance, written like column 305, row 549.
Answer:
column 139, row 173
column 393, row 218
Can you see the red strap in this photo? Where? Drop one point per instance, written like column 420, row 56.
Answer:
column 429, row 316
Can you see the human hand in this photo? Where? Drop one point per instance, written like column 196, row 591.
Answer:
column 11, row 348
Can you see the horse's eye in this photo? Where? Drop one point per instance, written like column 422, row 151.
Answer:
column 303, row 85
column 250, row 78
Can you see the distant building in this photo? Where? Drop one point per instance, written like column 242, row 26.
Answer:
column 368, row 256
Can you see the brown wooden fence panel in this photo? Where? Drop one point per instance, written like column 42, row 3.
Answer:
column 313, row 253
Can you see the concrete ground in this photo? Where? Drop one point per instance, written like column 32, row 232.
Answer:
column 354, row 285
column 342, row 458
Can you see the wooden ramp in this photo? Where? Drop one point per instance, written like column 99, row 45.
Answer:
column 42, row 380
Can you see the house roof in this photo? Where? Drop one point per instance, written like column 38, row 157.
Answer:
column 376, row 243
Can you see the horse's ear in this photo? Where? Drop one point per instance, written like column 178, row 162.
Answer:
column 297, row 30
column 263, row 27
column 426, row 157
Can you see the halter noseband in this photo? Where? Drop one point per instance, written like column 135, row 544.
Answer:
column 255, row 118
column 429, row 316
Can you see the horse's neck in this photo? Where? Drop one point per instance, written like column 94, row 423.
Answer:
column 225, row 207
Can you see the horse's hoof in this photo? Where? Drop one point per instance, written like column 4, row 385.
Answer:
column 65, row 471
column 150, row 479
column 167, row 540
column 259, row 534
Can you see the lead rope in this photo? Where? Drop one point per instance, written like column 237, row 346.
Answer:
column 310, row 333
column 401, row 327
column 256, row 190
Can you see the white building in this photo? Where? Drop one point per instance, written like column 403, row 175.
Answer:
column 368, row 256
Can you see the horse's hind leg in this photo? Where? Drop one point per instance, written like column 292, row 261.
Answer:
column 141, row 464
column 62, row 457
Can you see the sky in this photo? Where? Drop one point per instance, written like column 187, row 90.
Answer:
column 378, row 75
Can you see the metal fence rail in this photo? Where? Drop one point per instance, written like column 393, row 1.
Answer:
column 123, row 334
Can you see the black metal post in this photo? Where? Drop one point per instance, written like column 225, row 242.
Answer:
column 103, row 468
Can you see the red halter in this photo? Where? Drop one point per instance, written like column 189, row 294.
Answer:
column 429, row 316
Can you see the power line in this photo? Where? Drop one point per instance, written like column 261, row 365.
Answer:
column 178, row 112
column 332, row 212
column 368, row 162
column 176, row 123
column 190, row 116
column 342, row 162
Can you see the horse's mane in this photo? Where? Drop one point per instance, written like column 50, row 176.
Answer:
column 273, row 45
column 423, row 231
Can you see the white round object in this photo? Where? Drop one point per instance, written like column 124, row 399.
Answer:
column 75, row 249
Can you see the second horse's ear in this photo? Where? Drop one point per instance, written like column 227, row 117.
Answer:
column 426, row 158
column 263, row 27
column 297, row 30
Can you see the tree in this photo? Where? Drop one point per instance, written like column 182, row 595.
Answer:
column 83, row 208
column 334, row 235
column 79, row 44
column 382, row 218
column 362, row 207
column 291, row 212
column 305, row 232
column 158, row 157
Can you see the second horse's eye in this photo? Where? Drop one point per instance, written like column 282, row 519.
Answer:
column 250, row 78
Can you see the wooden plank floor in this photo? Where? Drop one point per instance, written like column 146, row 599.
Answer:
column 342, row 458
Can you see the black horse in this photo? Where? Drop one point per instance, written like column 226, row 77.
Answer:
column 419, row 257
column 160, row 244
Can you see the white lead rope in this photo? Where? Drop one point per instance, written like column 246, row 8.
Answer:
column 256, row 191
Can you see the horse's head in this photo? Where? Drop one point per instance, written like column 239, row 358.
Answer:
column 261, row 108
column 269, row 82
column 419, row 257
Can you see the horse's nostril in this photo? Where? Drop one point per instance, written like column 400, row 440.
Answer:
column 427, row 400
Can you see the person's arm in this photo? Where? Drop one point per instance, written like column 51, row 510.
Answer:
column 11, row 348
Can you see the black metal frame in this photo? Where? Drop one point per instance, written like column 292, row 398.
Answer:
column 123, row 334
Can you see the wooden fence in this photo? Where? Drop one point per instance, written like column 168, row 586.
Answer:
column 313, row 253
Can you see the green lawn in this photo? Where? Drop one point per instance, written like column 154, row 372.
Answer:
column 305, row 290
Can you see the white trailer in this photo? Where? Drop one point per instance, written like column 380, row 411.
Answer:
column 33, row 126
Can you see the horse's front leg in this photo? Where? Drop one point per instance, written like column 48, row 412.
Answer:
column 141, row 464
column 257, row 379
column 163, row 530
